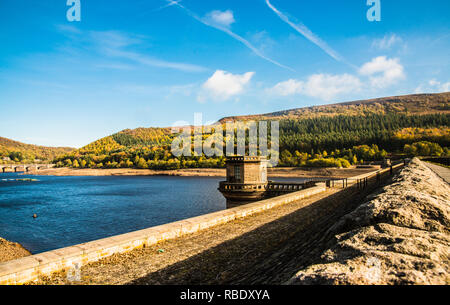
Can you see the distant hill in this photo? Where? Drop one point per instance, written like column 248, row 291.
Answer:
column 29, row 153
column 416, row 104
column 129, row 138
column 407, row 104
column 339, row 133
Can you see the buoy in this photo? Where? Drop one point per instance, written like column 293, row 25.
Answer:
column 34, row 216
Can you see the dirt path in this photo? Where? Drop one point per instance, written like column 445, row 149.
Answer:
column 265, row 248
column 441, row 171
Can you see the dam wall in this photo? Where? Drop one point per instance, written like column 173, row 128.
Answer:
column 29, row 268
column 397, row 236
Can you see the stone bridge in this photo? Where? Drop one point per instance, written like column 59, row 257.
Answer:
column 23, row 167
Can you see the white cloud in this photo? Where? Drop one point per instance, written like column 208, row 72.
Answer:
column 154, row 62
column 445, row 87
column 433, row 86
column 225, row 18
column 386, row 42
column 113, row 39
column 263, row 41
column 322, row 86
column 68, row 29
column 382, row 71
column 114, row 66
column 113, row 44
column 289, row 87
column 119, row 45
column 327, row 86
column 223, row 85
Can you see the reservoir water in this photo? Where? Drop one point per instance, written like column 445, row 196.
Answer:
column 73, row 210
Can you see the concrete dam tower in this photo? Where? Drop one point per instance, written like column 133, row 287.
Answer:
column 246, row 180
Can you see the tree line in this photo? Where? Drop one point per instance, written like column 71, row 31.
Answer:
column 337, row 141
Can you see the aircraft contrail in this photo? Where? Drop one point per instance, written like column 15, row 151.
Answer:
column 168, row 4
column 229, row 32
column 302, row 29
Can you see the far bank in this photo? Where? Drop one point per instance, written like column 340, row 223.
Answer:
column 280, row 172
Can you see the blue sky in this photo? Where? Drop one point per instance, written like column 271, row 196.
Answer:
column 151, row 63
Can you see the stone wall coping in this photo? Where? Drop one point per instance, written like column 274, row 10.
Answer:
column 373, row 173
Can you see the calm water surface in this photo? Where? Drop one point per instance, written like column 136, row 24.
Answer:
column 73, row 210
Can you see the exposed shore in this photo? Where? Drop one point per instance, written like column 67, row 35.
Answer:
column 204, row 172
column 10, row 250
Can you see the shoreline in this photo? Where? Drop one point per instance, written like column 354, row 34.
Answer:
column 11, row 250
column 204, row 172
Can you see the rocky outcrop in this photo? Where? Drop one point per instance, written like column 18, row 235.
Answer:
column 398, row 236
column 10, row 250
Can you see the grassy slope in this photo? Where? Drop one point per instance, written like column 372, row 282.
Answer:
column 40, row 152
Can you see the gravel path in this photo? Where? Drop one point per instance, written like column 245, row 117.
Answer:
column 441, row 171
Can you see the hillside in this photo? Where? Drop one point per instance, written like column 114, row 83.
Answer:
column 21, row 152
column 407, row 104
column 329, row 135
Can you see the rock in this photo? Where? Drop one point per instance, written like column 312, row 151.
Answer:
column 10, row 250
column 399, row 236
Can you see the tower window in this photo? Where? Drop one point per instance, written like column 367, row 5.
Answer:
column 237, row 173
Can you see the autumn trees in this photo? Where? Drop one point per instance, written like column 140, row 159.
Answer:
column 327, row 141
column 425, row 148
column 17, row 152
